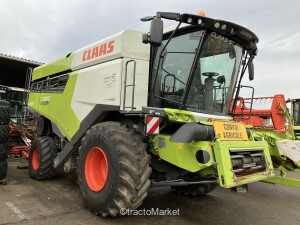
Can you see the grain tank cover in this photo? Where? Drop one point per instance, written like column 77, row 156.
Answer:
column 126, row 44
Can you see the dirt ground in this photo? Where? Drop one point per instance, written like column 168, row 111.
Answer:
column 25, row 201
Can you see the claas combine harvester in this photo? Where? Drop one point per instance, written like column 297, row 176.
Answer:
column 137, row 110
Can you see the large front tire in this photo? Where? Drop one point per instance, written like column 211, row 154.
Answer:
column 41, row 157
column 4, row 133
column 113, row 169
column 3, row 169
column 3, row 151
column 4, row 112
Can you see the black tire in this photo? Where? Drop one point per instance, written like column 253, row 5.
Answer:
column 4, row 112
column 3, row 169
column 4, row 133
column 3, row 152
column 195, row 190
column 128, row 169
column 41, row 157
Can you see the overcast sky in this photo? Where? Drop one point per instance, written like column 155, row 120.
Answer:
column 45, row 30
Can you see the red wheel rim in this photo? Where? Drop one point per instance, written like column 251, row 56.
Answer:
column 96, row 169
column 35, row 159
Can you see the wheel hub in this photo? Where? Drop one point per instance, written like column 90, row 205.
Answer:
column 35, row 159
column 96, row 169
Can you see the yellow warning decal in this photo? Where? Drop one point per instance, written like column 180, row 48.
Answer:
column 230, row 131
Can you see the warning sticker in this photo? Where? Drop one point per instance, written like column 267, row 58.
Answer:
column 153, row 125
column 230, row 131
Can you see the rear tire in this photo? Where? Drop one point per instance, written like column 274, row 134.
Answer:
column 113, row 169
column 4, row 133
column 4, row 112
column 3, row 152
column 3, row 169
column 41, row 157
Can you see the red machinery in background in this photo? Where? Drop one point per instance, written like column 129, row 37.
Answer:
column 20, row 139
column 273, row 118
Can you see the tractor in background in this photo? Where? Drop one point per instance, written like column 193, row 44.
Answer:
column 22, row 122
column 295, row 112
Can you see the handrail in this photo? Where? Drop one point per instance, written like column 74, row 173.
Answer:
column 129, row 85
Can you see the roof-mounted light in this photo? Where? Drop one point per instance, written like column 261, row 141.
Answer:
column 201, row 13
column 217, row 25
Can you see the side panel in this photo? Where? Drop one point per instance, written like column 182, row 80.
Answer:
column 99, row 84
column 56, row 66
column 140, row 80
column 57, row 107
column 218, row 153
column 182, row 155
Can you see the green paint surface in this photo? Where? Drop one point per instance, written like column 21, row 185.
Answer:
column 183, row 155
column 222, row 153
column 58, row 110
column 57, row 66
column 181, row 116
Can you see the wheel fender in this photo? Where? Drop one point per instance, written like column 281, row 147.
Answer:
column 40, row 125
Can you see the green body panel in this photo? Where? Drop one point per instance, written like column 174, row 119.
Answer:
column 181, row 116
column 183, row 155
column 283, row 181
column 222, row 154
column 57, row 66
column 271, row 137
column 297, row 132
column 57, row 107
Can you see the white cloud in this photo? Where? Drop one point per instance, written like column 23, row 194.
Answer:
column 45, row 30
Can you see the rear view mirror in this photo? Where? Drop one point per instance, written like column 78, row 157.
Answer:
column 156, row 33
column 251, row 70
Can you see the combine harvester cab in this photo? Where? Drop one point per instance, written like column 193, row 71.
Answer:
column 295, row 111
column 275, row 126
column 137, row 107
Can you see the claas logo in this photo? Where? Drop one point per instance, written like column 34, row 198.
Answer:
column 98, row 51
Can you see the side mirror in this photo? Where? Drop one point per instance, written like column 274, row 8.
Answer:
column 155, row 35
column 251, row 70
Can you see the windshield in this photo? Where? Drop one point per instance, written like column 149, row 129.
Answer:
column 214, row 77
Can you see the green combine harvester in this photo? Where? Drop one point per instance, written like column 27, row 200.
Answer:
column 137, row 110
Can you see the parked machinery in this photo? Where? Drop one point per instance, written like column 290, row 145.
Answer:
column 4, row 130
column 129, row 115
